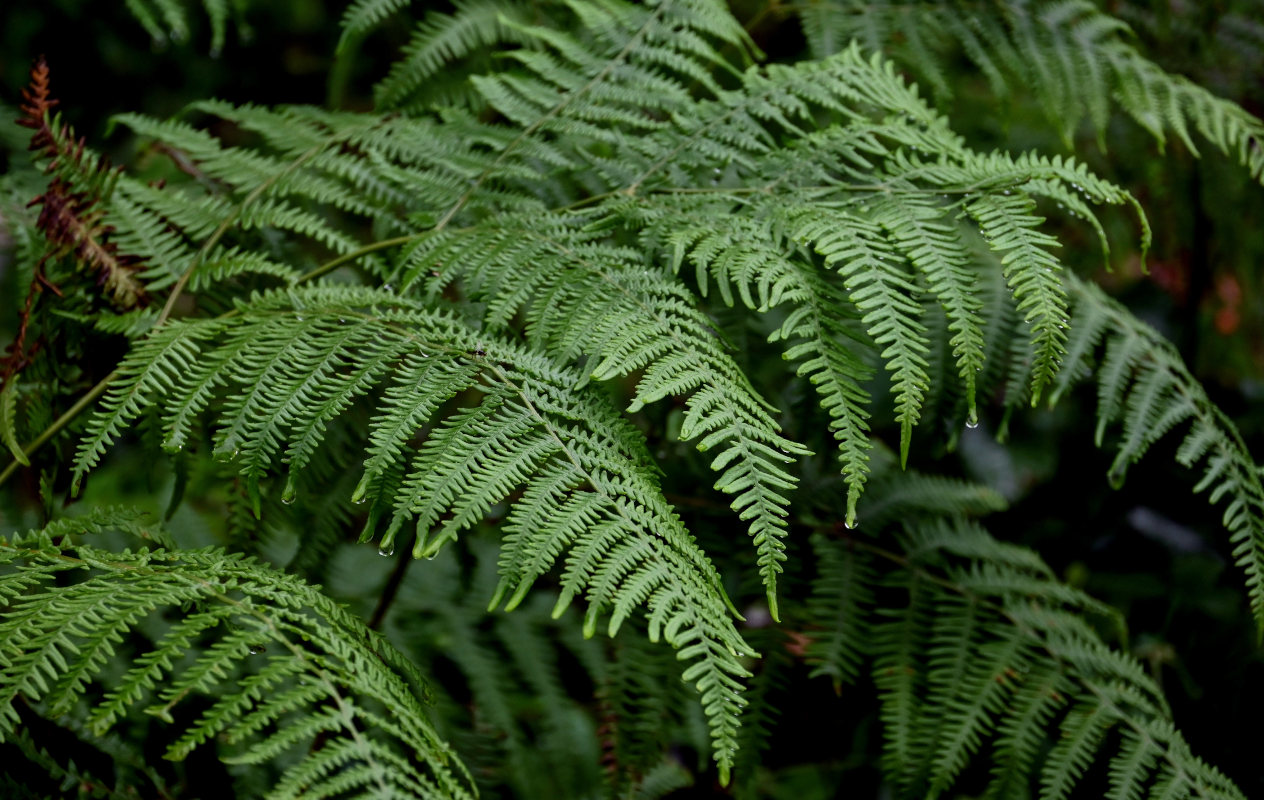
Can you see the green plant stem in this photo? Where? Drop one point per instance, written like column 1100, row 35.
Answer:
column 391, row 590
column 48, row 433
column 334, row 263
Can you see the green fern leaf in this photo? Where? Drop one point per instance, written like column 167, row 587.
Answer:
column 266, row 648
column 636, row 555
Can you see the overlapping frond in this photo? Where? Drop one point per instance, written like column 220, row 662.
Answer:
column 1144, row 385
column 274, row 374
column 878, row 196
column 989, row 654
column 583, row 298
column 282, row 668
column 172, row 20
column 1074, row 59
column 530, row 237
column 747, row 258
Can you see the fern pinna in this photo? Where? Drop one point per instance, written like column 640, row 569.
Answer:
column 467, row 311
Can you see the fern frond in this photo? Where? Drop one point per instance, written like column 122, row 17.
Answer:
column 747, row 258
column 1008, row 650
column 892, row 248
column 529, row 430
column 1033, row 276
column 437, row 42
column 842, row 595
column 1143, row 381
column 895, row 497
column 884, row 292
column 1073, row 59
column 875, row 211
column 264, row 647
column 583, row 298
column 362, row 16
column 642, row 713
column 536, row 229
column 933, row 247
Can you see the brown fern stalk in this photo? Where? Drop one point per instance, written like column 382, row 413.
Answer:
column 17, row 355
column 57, row 144
column 69, row 219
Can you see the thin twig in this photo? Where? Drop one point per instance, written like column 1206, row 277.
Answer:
column 391, row 589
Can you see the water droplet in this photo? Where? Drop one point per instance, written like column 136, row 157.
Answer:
column 432, row 556
column 972, row 422
column 1116, row 478
column 852, row 524
column 386, row 287
column 386, row 550
column 298, row 317
column 256, row 649
column 360, row 500
column 225, row 454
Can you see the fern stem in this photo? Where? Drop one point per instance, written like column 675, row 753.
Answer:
column 227, row 223
column 769, row 9
column 334, row 263
column 61, row 422
column 391, row 590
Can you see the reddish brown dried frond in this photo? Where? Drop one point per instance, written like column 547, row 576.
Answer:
column 69, row 218
column 37, row 100
column 73, row 226
column 68, row 157
column 37, row 105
